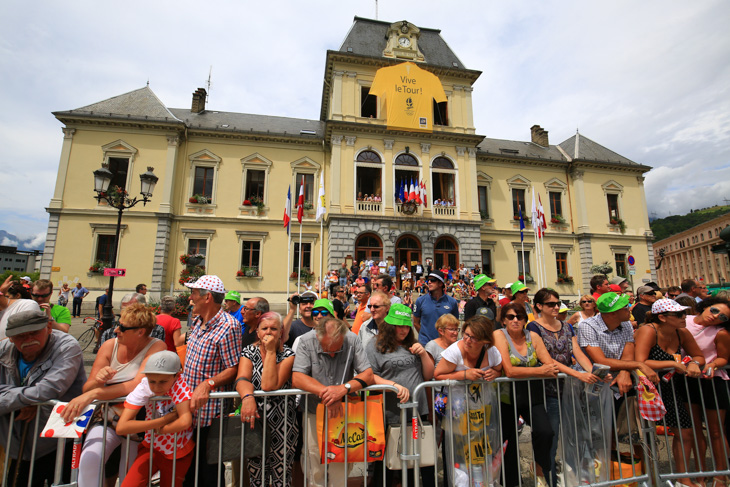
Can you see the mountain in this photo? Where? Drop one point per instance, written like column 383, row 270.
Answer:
column 32, row 243
column 672, row 225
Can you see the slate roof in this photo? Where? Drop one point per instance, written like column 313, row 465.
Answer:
column 246, row 122
column 516, row 148
column 137, row 104
column 368, row 37
column 592, row 151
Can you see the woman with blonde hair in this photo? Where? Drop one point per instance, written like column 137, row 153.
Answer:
column 447, row 327
column 587, row 309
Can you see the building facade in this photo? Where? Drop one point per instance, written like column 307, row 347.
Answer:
column 688, row 255
column 224, row 179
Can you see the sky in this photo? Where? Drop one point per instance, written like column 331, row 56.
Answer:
column 650, row 80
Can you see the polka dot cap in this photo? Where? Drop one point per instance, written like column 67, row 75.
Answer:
column 666, row 306
column 211, row 283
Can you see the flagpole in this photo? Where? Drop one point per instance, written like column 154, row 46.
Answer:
column 288, row 263
column 321, row 264
column 299, row 271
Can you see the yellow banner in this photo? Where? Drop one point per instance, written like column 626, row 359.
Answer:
column 409, row 92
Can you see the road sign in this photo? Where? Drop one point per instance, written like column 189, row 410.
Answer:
column 631, row 260
column 632, row 268
column 632, row 272
column 109, row 272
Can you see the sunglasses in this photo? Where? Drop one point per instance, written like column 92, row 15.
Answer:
column 123, row 328
column 306, row 301
column 41, row 295
column 511, row 317
column 676, row 314
column 672, row 295
column 716, row 311
column 651, row 293
column 587, row 302
column 375, row 306
column 317, row 312
column 552, row 304
column 433, row 279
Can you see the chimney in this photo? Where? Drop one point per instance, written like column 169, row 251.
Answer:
column 539, row 136
column 198, row 100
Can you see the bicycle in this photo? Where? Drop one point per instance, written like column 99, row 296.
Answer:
column 89, row 335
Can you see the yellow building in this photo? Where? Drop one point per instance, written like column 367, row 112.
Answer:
column 396, row 107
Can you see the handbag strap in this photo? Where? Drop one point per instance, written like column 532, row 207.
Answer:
column 481, row 357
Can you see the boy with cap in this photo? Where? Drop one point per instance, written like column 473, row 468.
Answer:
column 162, row 378
column 232, row 305
column 485, row 298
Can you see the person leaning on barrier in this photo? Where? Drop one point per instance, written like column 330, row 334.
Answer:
column 524, row 356
column 116, row 372
column 37, row 364
column 608, row 339
column 128, row 300
column 447, row 327
column 709, row 395
column 657, row 343
column 252, row 312
column 399, row 360
column 329, row 364
column 211, row 362
column 266, row 366
column 14, row 298
column 562, row 345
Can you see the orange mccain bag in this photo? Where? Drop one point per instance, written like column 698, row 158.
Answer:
column 353, row 438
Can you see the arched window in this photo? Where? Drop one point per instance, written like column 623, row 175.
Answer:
column 446, row 252
column 406, row 160
column 442, row 163
column 408, row 252
column 368, row 247
column 368, row 156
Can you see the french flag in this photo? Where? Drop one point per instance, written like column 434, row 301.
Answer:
column 300, row 202
column 287, row 210
column 412, row 195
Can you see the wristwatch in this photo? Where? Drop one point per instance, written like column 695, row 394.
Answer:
column 348, row 386
column 211, row 383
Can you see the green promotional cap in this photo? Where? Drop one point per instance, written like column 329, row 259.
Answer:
column 324, row 303
column 233, row 296
column 517, row 287
column 610, row 302
column 480, row 280
column 399, row 315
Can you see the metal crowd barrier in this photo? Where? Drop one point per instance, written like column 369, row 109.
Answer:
column 594, row 437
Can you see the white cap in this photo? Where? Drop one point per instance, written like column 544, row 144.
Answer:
column 165, row 362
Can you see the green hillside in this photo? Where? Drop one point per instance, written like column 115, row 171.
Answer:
column 671, row 225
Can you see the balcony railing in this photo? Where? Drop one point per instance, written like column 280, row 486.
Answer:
column 368, row 206
column 448, row 211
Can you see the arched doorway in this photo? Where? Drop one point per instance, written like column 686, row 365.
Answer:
column 407, row 251
column 446, row 252
column 368, row 246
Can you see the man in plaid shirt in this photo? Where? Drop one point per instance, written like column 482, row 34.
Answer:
column 608, row 338
column 211, row 363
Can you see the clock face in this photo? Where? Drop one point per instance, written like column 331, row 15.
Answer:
column 404, row 42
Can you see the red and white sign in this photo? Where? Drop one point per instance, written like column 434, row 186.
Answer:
column 109, row 272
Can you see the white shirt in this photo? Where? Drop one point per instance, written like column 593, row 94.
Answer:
column 454, row 356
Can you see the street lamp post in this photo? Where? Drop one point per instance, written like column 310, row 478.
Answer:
column 119, row 199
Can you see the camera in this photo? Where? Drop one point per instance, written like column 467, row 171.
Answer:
column 294, row 299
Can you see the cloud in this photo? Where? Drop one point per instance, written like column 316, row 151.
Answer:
column 38, row 241
column 9, row 242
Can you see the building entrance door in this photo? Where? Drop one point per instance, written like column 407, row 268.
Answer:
column 407, row 251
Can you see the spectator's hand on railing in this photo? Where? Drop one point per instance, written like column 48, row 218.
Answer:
column 649, row 373
column 693, row 370
column 549, row 370
column 474, row 374
column 105, row 375
column 76, row 406
column 335, row 411
column 26, row 414
column 403, row 393
column 588, row 378
column 623, row 381
column 200, row 397
column 249, row 411
column 331, row 395
column 490, row 374
column 169, row 418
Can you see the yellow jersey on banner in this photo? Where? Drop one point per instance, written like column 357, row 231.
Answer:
column 408, row 91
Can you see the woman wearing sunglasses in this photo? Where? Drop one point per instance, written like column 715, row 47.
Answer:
column 117, row 370
column 709, row 329
column 587, row 309
column 561, row 343
column 524, row 356
column 664, row 337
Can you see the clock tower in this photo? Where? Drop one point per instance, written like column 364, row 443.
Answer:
column 403, row 42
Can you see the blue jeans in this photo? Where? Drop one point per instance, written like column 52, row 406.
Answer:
column 343, row 282
column 553, row 410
